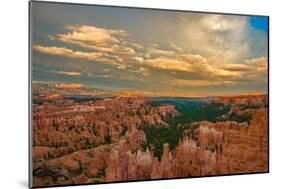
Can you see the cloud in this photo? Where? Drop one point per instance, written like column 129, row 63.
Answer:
column 92, row 56
column 199, row 83
column 69, row 73
column 69, row 86
column 106, row 76
column 205, row 68
column 121, row 67
column 62, row 51
column 126, row 51
column 90, row 34
column 152, row 51
column 175, row 47
column 217, row 35
column 191, row 63
column 115, row 46
column 251, row 66
column 258, row 64
column 99, row 75
column 139, row 59
column 99, row 39
column 136, row 45
column 168, row 64
column 143, row 71
column 106, row 44
column 194, row 59
column 102, row 75
column 235, row 67
column 213, row 52
column 224, row 23
column 106, row 70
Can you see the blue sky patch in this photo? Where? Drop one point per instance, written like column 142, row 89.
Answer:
column 259, row 22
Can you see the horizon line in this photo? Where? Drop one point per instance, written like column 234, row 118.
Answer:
column 131, row 93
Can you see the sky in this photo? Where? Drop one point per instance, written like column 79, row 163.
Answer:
column 153, row 52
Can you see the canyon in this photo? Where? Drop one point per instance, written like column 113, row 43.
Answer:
column 117, row 138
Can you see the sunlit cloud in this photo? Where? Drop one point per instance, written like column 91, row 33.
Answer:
column 69, row 73
column 235, row 67
column 218, row 35
column 191, row 63
column 224, row 23
column 106, row 47
column 212, row 51
column 99, row 39
column 136, row 45
column 115, row 46
column 158, row 52
column 69, row 86
column 199, row 83
column 168, row 64
column 90, row 34
column 139, row 59
column 62, row 51
column 121, row 67
column 176, row 48
column 258, row 64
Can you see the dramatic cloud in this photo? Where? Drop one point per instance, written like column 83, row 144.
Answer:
column 99, row 39
column 224, row 23
column 218, row 35
column 191, row 63
column 210, row 50
column 255, row 66
column 62, row 51
column 112, row 46
column 91, row 35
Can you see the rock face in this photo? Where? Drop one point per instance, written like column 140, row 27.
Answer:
column 222, row 148
column 252, row 100
column 247, row 150
column 164, row 168
column 103, row 141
